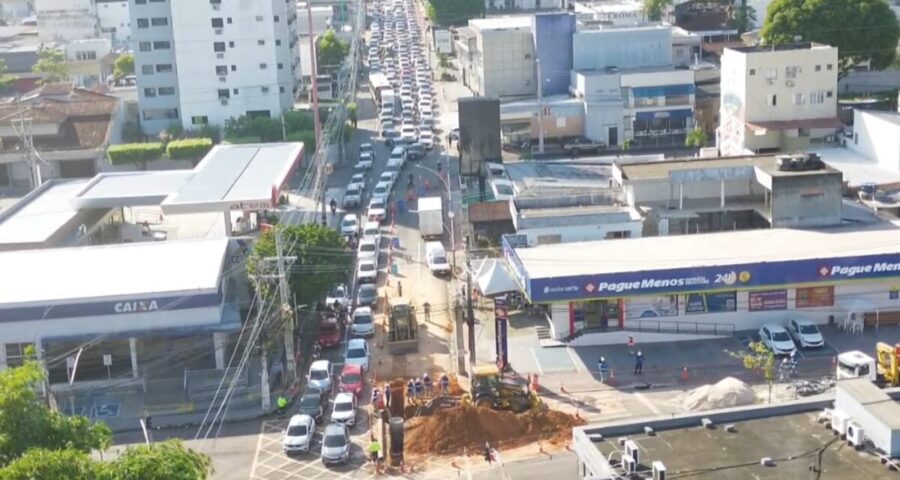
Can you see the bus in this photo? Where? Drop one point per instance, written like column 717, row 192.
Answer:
column 378, row 82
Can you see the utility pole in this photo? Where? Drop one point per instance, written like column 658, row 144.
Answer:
column 23, row 129
column 540, row 105
column 276, row 268
column 470, row 308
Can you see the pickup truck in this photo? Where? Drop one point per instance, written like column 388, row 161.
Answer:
column 577, row 146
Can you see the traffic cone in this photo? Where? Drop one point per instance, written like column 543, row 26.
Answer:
column 612, row 377
column 685, row 375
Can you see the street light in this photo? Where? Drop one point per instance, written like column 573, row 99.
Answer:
column 450, row 214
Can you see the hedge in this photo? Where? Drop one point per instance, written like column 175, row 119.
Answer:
column 189, row 149
column 241, row 140
column 307, row 137
column 130, row 153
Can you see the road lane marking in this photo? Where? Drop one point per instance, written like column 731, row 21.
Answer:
column 579, row 365
column 537, row 362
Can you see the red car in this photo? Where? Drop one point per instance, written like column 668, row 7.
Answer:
column 352, row 380
column 329, row 333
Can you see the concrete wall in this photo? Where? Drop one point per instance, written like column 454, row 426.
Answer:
column 867, row 82
column 115, row 15
column 622, row 48
column 553, row 48
column 64, row 20
column 582, row 233
column 655, row 191
column 877, row 138
column 505, row 63
column 806, row 200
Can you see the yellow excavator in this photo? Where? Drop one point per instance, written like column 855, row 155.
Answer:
column 489, row 391
column 888, row 358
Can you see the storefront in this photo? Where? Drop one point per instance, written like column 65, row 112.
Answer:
column 717, row 283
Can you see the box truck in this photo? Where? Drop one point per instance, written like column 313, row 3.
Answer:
column 431, row 217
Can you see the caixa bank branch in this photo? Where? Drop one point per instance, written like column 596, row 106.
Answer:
column 713, row 284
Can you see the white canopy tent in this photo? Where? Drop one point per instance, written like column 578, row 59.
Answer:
column 492, row 278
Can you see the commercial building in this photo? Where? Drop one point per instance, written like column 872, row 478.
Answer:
column 613, row 13
column 70, row 128
column 713, row 284
column 716, row 194
column 503, row 57
column 801, row 439
column 90, row 61
column 165, row 252
column 19, row 47
column 780, row 98
column 504, row 6
column 198, row 66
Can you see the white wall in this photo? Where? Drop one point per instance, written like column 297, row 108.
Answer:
column 877, row 138
column 64, row 20
column 35, row 331
column 622, row 48
column 582, row 233
column 321, row 18
column 100, row 46
column 115, row 15
column 506, row 62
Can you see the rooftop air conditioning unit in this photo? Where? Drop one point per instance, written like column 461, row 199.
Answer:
column 659, row 470
column 839, row 421
column 629, row 465
column 783, row 162
column 631, row 450
column 855, row 435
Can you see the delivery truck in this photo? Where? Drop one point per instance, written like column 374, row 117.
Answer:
column 431, row 217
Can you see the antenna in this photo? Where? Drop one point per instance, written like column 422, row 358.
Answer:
column 22, row 126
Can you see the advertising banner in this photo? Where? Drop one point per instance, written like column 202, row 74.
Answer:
column 815, row 297
column 650, row 307
column 701, row 279
column 768, row 300
column 515, row 265
column 711, row 302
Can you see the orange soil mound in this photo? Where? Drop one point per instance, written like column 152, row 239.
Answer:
column 448, row 431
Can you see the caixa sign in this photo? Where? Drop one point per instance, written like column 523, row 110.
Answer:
column 137, row 306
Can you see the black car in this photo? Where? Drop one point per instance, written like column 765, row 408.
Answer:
column 311, row 404
column 415, row 151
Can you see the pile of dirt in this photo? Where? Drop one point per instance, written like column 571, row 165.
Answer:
column 728, row 392
column 449, row 430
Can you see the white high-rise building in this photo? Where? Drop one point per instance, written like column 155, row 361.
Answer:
column 203, row 63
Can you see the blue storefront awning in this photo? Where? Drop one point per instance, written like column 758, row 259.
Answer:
column 671, row 114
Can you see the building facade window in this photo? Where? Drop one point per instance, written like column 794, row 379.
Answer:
column 149, row 92
column 263, row 66
column 147, row 69
column 224, row 93
column 260, row 42
column 17, row 353
column 772, row 100
column 162, row 45
column 145, row 46
column 164, row 68
column 88, row 55
column 166, row 91
column 791, row 72
column 199, row 120
column 143, row 23
column 217, row 23
column 159, row 22
column 160, row 114
column 221, row 70
column 218, row 47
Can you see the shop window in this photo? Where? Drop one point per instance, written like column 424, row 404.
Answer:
column 815, row 297
column 710, row 302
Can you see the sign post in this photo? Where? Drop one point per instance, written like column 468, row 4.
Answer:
column 501, row 329
column 107, row 361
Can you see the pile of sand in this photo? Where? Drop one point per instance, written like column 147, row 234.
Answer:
column 452, row 429
column 729, row 392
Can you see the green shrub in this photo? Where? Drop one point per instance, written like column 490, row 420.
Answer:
column 134, row 153
column 192, row 149
column 242, row 140
column 307, row 137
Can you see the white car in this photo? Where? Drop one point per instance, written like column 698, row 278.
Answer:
column 409, row 134
column 368, row 249
column 367, row 148
column 359, row 178
column 319, row 375
column 366, row 271
column 436, row 258
column 382, row 190
column 365, row 158
column 357, row 353
column 340, row 293
column 344, row 411
column 777, row 339
column 376, row 212
column 806, row 333
column 353, row 195
column 298, row 434
column 426, row 138
column 363, row 322
column 389, row 177
column 349, row 224
column 373, row 230
column 335, row 444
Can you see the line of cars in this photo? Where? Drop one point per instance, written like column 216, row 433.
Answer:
column 783, row 340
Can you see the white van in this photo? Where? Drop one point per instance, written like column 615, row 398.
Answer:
column 436, row 258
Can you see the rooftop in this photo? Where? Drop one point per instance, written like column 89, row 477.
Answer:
column 501, row 23
column 793, row 440
column 112, row 190
column 550, row 178
column 782, row 48
column 116, row 271
column 234, row 174
column 662, row 170
column 709, row 249
column 40, row 214
column 489, row 212
column 856, row 168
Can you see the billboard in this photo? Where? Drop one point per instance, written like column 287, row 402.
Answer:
column 713, row 278
column 710, row 302
column 479, row 134
column 768, row 300
column 815, row 297
column 443, row 41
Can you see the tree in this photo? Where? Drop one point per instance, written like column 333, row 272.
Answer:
column 322, row 259
column 758, row 358
column 454, row 12
column 36, row 443
column 740, row 16
column 52, row 65
column 331, row 50
column 654, row 9
column 695, row 138
column 124, row 66
column 862, row 30
column 352, row 107
column 6, row 80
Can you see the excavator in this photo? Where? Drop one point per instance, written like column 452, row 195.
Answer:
column 489, row 391
column 888, row 358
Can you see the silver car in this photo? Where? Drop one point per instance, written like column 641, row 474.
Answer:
column 336, row 444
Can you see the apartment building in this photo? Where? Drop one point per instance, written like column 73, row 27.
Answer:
column 203, row 64
column 65, row 20
column 503, row 57
column 115, row 20
column 780, row 98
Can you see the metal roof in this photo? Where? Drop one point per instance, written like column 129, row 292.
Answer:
column 113, row 271
column 110, row 190
column 41, row 213
column 236, row 177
